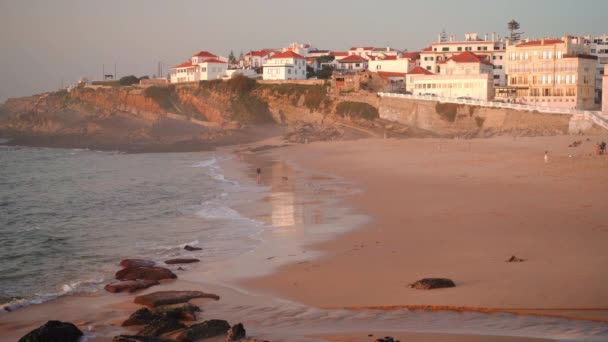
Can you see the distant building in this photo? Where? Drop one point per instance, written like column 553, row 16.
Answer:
column 352, row 63
column 318, row 53
column 257, row 58
column 493, row 48
column 463, row 75
column 361, row 51
column 553, row 73
column 400, row 64
column 598, row 47
column 300, row 49
column 383, row 52
column 203, row 66
column 286, row 65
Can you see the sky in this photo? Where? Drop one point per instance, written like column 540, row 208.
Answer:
column 45, row 43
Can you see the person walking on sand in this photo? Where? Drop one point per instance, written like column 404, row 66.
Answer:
column 546, row 157
column 259, row 179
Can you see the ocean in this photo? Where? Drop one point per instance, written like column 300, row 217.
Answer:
column 67, row 217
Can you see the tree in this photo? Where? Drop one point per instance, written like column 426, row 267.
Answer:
column 128, row 80
column 231, row 57
column 513, row 26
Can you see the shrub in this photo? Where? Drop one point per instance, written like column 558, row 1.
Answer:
column 161, row 95
column 128, row 80
column 357, row 110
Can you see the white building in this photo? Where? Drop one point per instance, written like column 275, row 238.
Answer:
column 300, row 49
column 203, row 66
column 605, row 93
column 286, row 65
column 257, row 58
column 494, row 49
column 391, row 64
column 598, row 47
column 463, row 75
column 361, row 51
column 383, row 52
column 352, row 63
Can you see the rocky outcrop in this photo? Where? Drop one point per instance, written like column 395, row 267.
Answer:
column 53, row 331
column 306, row 132
column 127, row 338
column 172, row 297
column 191, row 248
column 161, row 326
column 183, row 312
column 130, row 285
column 145, row 273
column 236, row 332
column 432, row 283
column 142, row 316
column 206, row 329
column 181, row 261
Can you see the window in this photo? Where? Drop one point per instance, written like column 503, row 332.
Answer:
column 479, row 48
column 445, row 49
column 428, row 68
column 459, row 48
column 496, row 77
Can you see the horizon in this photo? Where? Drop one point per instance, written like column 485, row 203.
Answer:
column 136, row 40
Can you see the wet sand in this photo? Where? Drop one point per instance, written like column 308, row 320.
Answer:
column 459, row 209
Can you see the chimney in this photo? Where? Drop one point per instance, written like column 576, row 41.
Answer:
column 439, row 38
column 485, row 37
column 542, row 41
column 493, row 36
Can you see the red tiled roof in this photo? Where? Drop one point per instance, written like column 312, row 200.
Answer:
column 428, row 49
column 213, row 61
column 389, row 58
column 287, row 54
column 361, row 47
column 339, row 54
column 187, row 64
column 540, row 42
column 258, row 53
column 412, row 55
column 205, row 54
column 419, row 71
column 352, row 59
column 467, row 57
column 388, row 74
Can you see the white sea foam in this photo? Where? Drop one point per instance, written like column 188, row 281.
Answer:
column 206, row 163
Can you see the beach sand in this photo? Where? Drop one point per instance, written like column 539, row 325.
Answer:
column 459, row 209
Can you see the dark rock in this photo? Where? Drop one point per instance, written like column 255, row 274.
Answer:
column 137, row 263
column 160, row 326
column 513, row 258
column 237, row 332
column 141, row 317
column 146, row 273
column 53, row 331
column 207, row 329
column 387, row 339
column 130, row 285
column 432, row 283
column 172, row 297
column 180, row 261
column 190, row 248
column 184, row 312
column 127, row 338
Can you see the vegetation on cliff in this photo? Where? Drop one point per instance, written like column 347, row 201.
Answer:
column 357, row 110
column 161, row 95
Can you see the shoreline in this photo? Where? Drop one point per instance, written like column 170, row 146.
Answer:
column 235, row 298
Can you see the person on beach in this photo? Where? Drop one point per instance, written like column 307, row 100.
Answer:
column 546, row 157
column 259, row 179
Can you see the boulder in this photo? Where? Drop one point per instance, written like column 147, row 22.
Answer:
column 127, row 338
column 136, row 263
column 180, row 261
column 190, row 248
column 432, row 283
column 130, row 285
column 53, row 331
column 146, row 273
column 171, row 297
column 236, row 332
column 141, row 317
column 387, row 339
column 184, row 312
column 513, row 258
column 206, row 329
column 160, row 326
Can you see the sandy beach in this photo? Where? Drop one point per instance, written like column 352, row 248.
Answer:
column 459, row 209
column 352, row 223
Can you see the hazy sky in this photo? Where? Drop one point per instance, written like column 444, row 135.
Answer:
column 46, row 41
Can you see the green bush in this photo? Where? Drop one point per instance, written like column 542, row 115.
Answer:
column 161, row 95
column 357, row 110
column 128, row 80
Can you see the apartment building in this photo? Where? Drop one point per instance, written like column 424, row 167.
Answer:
column 492, row 48
column 552, row 72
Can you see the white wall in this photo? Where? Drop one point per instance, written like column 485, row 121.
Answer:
column 285, row 69
column 452, row 86
column 398, row 65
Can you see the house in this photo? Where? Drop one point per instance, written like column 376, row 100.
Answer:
column 598, row 46
column 300, row 49
column 552, row 73
column 313, row 62
column 493, row 48
column 339, row 54
column 394, row 81
column 286, row 65
column 390, row 64
column 362, row 51
column 257, row 58
column 463, row 75
column 318, row 53
column 352, row 63
column 202, row 66
column 383, row 52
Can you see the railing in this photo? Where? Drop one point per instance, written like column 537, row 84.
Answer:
column 599, row 118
